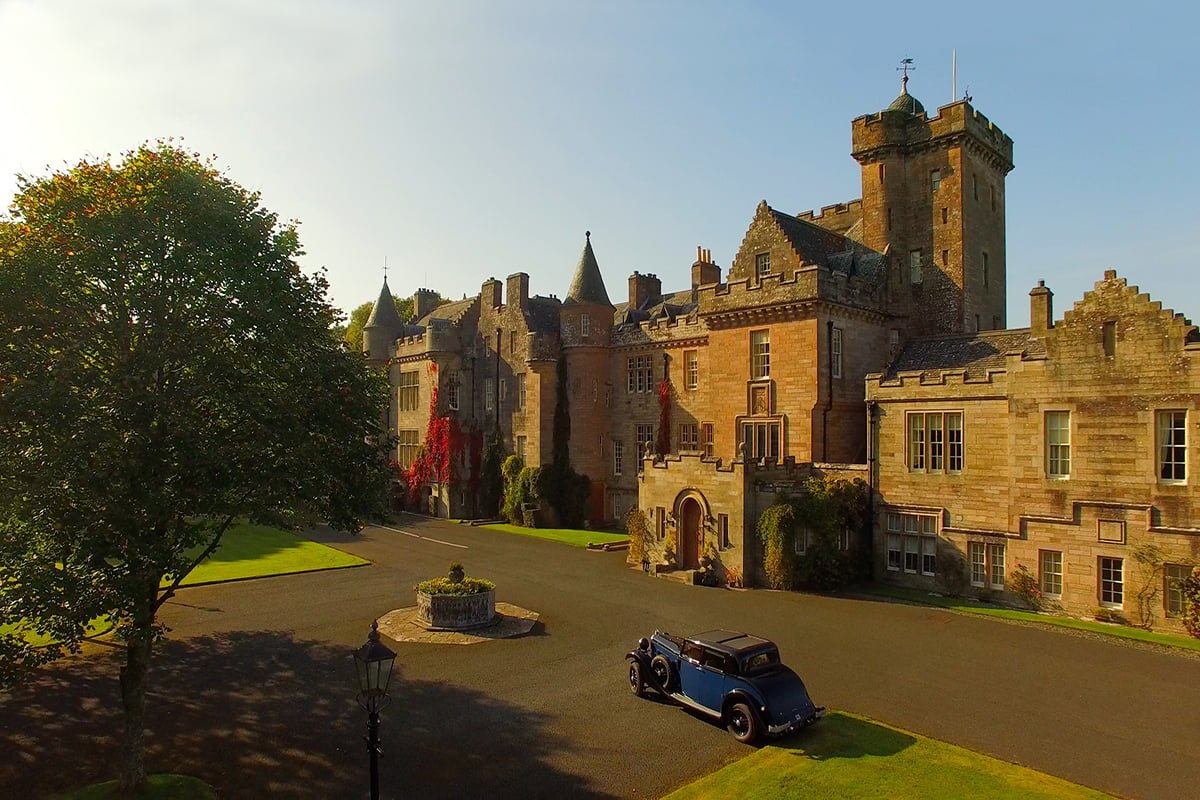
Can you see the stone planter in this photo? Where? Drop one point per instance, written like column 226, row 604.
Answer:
column 456, row 612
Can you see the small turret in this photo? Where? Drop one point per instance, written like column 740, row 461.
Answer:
column 383, row 327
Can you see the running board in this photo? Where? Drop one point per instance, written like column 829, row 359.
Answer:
column 690, row 703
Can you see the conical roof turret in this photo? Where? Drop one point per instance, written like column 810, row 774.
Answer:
column 588, row 286
column 383, row 314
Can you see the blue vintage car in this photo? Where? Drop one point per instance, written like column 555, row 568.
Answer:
column 733, row 677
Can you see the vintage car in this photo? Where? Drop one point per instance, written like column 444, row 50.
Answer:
column 732, row 677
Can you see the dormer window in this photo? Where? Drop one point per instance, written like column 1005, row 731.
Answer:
column 762, row 264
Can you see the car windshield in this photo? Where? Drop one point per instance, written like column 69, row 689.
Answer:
column 762, row 660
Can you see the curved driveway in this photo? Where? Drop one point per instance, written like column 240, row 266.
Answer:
column 254, row 691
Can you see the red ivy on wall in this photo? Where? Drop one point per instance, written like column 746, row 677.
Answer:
column 439, row 453
column 663, row 444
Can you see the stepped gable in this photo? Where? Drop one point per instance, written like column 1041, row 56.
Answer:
column 976, row 354
column 823, row 247
column 587, row 286
column 452, row 311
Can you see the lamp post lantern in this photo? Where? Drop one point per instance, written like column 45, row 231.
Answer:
column 373, row 661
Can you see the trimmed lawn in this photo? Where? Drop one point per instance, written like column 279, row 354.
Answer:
column 246, row 551
column 158, row 787
column 974, row 607
column 256, row 551
column 569, row 536
column 847, row 756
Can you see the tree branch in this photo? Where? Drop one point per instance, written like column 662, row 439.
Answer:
column 169, row 592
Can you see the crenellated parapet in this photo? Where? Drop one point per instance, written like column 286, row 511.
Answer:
column 839, row 217
column 873, row 135
column 660, row 331
column 809, row 283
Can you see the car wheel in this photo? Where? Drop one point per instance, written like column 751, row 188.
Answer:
column 663, row 675
column 637, row 683
column 742, row 723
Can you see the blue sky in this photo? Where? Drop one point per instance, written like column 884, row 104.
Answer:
column 468, row 140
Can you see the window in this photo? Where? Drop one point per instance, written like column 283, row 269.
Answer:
column 689, row 436
column 894, row 338
column 889, row 218
column 836, row 346
column 760, row 354
column 762, row 440
column 1172, row 445
column 996, row 566
column 935, row 441
column 723, row 531
column 452, row 385
column 995, row 323
column 645, row 435
column 639, row 373
column 585, row 325
column 985, row 268
column 1173, row 577
column 914, row 266
column 935, row 180
column 618, row 456
column 976, row 322
column 1050, row 572
column 503, row 390
column 987, row 564
column 408, row 391
column 881, row 173
column 975, row 186
column 661, row 519
column 521, row 396
column 912, row 543
column 691, row 368
column 762, row 264
column 706, row 431
column 1109, row 337
column 521, row 448
column 408, row 443
column 945, row 258
column 489, row 394
column 802, row 538
column 1112, row 582
column 945, row 217
column 1058, row 444
column 992, row 195
column 512, row 341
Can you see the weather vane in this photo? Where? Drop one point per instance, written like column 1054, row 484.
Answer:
column 385, row 268
column 906, row 66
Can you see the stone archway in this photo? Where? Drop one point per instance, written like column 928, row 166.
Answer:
column 691, row 533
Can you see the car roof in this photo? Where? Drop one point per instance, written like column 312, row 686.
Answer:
column 732, row 642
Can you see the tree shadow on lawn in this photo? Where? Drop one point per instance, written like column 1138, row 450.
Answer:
column 261, row 714
column 842, row 736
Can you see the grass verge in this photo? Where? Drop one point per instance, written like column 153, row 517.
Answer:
column 984, row 609
column 246, row 551
column 569, row 536
column 158, row 787
column 847, row 756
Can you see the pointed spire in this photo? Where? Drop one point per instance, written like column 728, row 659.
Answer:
column 383, row 313
column 588, row 286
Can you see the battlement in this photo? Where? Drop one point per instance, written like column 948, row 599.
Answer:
column 809, row 282
column 851, row 208
column 884, row 129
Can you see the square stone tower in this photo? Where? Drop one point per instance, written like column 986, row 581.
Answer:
column 933, row 198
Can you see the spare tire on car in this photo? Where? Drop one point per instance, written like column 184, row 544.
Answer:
column 664, row 676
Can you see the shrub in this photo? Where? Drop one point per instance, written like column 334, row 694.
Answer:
column 520, row 489
column 1024, row 585
column 638, row 528
column 446, row 586
column 827, row 508
column 1191, row 603
column 777, row 530
column 952, row 570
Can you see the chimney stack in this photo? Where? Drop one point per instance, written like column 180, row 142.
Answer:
column 424, row 301
column 491, row 295
column 643, row 288
column 704, row 272
column 518, row 289
column 1041, row 309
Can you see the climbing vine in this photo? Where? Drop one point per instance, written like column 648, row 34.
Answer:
column 440, row 451
column 662, row 445
column 1191, row 603
column 827, row 512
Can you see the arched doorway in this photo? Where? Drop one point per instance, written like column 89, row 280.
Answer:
column 690, row 533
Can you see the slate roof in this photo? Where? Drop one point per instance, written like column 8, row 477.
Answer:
column 587, row 286
column 906, row 102
column 451, row 311
column 383, row 313
column 817, row 245
column 976, row 353
column 670, row 306
column 542, row 314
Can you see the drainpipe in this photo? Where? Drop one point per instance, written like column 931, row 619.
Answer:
column 829, row 400
column 496, row 388
column 872, row 468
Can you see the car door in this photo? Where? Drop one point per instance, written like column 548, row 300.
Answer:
column 694, row 679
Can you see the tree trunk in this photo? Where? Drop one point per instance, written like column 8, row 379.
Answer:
column 133, row 697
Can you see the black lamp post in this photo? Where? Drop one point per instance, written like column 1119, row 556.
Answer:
column 374, row 664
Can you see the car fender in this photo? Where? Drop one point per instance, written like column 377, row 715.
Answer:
column 740, row 695
column 640, row 656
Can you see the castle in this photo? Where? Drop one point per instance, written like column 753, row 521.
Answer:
column 817, row 351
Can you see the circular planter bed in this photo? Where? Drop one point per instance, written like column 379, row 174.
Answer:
column 444, row 604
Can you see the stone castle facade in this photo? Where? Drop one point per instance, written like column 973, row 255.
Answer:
column 766, row 362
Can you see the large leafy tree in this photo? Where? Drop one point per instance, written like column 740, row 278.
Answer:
column 165, row 368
